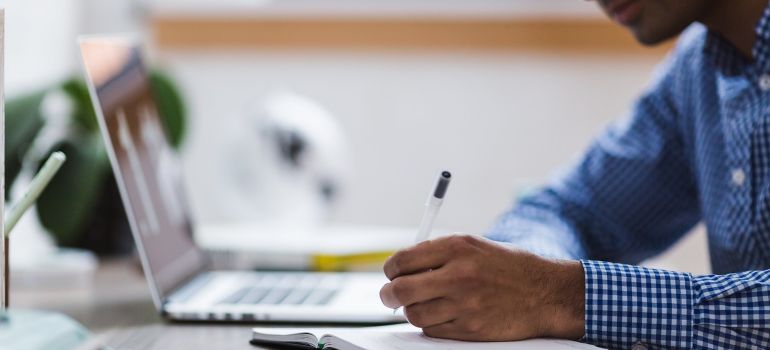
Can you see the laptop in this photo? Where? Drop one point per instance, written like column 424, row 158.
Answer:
column 148, row 173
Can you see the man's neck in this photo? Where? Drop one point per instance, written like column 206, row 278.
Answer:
column 736, row 21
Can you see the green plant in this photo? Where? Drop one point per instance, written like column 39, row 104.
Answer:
column 83, row 194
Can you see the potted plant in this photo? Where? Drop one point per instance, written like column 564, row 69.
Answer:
column 82, row 206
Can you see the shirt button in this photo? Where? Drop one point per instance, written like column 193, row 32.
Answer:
column 764, row 82
column 738, row 177
column 639, row 346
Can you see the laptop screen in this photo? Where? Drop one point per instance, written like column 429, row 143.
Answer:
column 145, row 166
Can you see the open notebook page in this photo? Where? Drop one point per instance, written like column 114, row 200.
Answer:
column 408, row 337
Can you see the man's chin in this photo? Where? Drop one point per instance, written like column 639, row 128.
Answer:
column 650, row 39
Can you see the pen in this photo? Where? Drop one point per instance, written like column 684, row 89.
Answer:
column 36, row 187
column 432, row 205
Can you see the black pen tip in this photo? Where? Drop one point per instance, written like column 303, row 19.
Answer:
column 443, row 183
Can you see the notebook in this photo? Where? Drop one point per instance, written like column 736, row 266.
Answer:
column 395, row 337
column 302, row 340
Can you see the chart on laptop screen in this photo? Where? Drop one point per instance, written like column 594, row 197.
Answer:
column 147, row 168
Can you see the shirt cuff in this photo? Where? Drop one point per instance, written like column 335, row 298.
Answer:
column 627, row 305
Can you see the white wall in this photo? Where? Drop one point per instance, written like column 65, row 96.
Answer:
column 378, row 8
column 501, row 122
column 498, row 121
column 40, row 42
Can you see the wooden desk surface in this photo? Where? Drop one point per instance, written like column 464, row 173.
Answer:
column 170, row 336
column 118, row 309
column 117, row 296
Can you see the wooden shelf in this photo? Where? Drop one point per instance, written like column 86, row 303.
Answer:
column 558, row 35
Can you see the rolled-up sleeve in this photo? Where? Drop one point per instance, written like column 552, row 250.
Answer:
column 630, row 305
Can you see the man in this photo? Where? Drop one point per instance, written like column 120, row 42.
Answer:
column 696, row 146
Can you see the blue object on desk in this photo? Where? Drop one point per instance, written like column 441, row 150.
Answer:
column 38, row 330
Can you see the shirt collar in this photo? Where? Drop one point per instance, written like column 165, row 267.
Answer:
column 727, row 58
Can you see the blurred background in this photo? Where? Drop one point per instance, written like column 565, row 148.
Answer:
column 331, row 112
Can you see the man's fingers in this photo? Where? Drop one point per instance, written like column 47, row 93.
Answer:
column 461, row 328
column 446, row 330
column 424, row 256
column 432, row 312
column 415, row 288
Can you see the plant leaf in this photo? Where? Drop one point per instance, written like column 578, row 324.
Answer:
column 83, row 113
column 66, row 205
column 170, row 107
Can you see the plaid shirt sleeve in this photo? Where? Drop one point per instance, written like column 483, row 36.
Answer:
column 629, row 306
column 630, row 196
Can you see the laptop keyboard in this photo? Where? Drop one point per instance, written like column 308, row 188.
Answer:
column 286, row 289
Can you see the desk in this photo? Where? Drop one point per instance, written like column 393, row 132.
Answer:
column 118, row 309
column 117, row 297
column 175, row 336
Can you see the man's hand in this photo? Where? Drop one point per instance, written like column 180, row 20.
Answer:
column 470, row 288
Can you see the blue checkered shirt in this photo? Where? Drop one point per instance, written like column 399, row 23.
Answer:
column 695, row 147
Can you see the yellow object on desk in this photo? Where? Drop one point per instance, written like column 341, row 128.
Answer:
column 350, row 262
